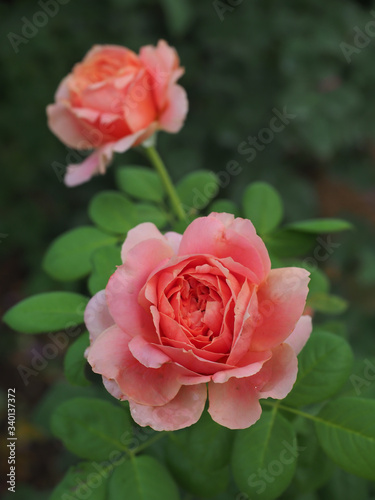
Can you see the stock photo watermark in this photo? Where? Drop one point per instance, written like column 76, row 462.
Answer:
column 222, row 7
column 40, row 359
column 267, row 475
column 361, row 39
column 265, row 135
column 30, row 26
column 368, row 377
column 11, row 440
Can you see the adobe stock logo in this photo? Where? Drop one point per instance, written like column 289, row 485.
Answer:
column 30, row 27
column 361, row 39
column 265, row 135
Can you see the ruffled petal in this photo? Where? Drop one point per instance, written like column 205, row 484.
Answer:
column 277, row 377
column 125, row 284
column 281, row 301
column 66, row 126
column 147, row 354
column 300, row 335
column 184, row 410
column 215, row 235
column 255, row 361
column 110, row 356
column 97, row 316
column 142, row 232
column 173, row 117
column 78, row 173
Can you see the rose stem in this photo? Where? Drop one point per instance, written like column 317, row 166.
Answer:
column 161, row 169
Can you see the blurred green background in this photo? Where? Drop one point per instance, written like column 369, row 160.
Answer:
column 242, row 60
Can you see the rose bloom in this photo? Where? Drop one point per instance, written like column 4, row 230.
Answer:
column 203, row 311
column 115, row 99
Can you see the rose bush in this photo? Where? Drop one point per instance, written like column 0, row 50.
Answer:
column 115, row 99
column 184, row 313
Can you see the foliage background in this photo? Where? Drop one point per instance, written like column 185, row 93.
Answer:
column 262, row 55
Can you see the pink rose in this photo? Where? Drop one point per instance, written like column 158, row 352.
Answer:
column 114, row 100
column 202, row 310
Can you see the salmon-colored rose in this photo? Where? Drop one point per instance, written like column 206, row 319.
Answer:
column 115, row 99
column 202, row 310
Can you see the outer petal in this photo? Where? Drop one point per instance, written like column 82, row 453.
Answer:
column 97, row 315
column 281, row 301
column 184, row 410
column 162, row 63
column 300, row 335
column 175, row 113
column 174, row 239
column 79, row 173
column 278, row 375
column 216, row 235
column 234, row 404
column 66, row 126
column 109, row 355
column 125, row 284
column 142, row 232
column 113, row 388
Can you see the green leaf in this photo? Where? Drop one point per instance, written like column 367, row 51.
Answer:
column 112, row 212
column 344, row 486
column 319, row 226
column 198, row 457
column 91, row 428
column 197, row 189
column 142, row 478
column 47, row 312
column 75, row 362
column 146, row 212
column 69, row 256
column 286, row 244
column 104, row 262
column 263, row 206
column 314, row 468
column 346, row 432
column 141, row 183
column 325, row 303
column 264, row 457
column 324, row 365
column 85, row 480
column 226, row 206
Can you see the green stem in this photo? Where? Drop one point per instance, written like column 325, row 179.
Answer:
column 158, row 163
column 293, row 410
column 149, row 442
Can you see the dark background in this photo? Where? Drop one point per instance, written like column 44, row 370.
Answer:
column 256, row 56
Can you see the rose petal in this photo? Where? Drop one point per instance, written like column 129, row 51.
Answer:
column 110, row 356
column 277, row 377
column 97, row 316
column 281, row 301
column 209, row 235
column 234, row 404
column 184, row 410
column 125, row 284
column 78, row 173
column 142, row 232
column 66, row 126
column 254, row 360
column 174, row 239
column 300, row 335
column 147, row 354
column 175, row 113
column 113, row 388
